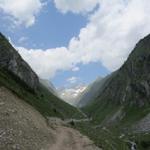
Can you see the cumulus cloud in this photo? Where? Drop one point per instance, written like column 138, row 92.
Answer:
column 109, row 36
column 21, row 11
column 112, row 32
column 76, row 6
column 75, row 69
column 47, row 62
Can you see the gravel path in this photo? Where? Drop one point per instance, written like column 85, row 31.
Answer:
column 70, row 139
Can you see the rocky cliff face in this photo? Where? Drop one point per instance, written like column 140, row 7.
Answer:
column 12, row 61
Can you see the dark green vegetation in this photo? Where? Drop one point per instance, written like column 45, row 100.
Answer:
column 119, row 134
column 40, row 97
column 112, row 138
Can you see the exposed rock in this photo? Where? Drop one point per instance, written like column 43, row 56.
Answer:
column 13, row 62
column 117, row 116
column 54, row 121
column 16, row 147
column 2, row 103
column 143, row 125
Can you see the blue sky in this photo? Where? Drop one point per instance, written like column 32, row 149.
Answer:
column 87, row 74
column 51, row 29
column 72, row 42
column 54, row 29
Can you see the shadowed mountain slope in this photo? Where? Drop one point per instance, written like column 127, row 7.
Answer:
column 128, row 90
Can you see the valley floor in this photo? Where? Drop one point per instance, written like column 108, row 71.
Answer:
column 70, row 139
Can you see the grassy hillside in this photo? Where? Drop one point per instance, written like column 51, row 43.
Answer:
column 119, row 134
column 114, row 138
column 41, row 99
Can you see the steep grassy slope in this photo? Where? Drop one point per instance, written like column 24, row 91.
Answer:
column 128, row 89
column 93, row 90
column 89, row 93
column 15, row 74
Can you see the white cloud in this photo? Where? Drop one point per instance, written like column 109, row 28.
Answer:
column 47, row 62
column 76, row 6
column 109, row 36
column 21, row 11
column 22, row 39
column 75, row 69
column 72, row 80
column 112, row 32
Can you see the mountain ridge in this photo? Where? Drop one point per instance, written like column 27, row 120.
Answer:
column 17, row 76
column 130, row 85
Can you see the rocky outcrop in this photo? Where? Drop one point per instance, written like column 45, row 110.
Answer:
column 13, row 62
column 143, row 125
